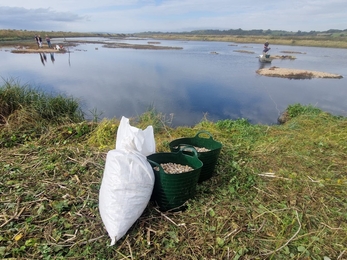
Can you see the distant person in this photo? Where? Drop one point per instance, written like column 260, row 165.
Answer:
column 40, row 41
column 37, row 41
column 266, row 47
column 48, row 40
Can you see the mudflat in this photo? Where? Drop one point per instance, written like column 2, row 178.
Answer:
column 40, row 50
column 31, row 48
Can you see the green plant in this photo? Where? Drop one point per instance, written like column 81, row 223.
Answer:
column 298, row 109
column 54, row 108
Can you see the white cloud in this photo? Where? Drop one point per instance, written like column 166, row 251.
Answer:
column 172, row 15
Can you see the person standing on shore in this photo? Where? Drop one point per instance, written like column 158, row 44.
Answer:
column 40, row 41
column 48, row 40
column 37, row 41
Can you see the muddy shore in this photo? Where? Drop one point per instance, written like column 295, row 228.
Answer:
column 32, row 48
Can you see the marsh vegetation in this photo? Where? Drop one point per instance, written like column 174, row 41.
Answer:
column 328, row 41
column 279, row 191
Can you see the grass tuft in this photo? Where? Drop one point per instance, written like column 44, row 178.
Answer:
column 26, row 111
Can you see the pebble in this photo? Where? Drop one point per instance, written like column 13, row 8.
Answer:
column 174, row 168
column 198, row 149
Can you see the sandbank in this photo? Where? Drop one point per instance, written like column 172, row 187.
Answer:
column 295, row 73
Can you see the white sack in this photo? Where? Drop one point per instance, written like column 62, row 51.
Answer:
column 131, row 138
column 128, row 179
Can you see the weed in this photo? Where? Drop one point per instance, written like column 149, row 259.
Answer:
column 298, row 109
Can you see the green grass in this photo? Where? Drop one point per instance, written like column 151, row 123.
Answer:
column 279, row 192
column 26, row 112
column 316, row 41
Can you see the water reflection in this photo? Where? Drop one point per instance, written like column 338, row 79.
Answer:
column 43, row 58
column 52, row 57
column 263, row 65
column 189, row 83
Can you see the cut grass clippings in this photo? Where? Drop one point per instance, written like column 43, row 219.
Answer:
column 279, row 192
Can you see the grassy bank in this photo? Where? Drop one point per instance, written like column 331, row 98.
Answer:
column 26, row 112
column 24, row 35
column 317, row 41
column 279, row 191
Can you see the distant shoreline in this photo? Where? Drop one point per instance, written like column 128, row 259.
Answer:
column 31, row 47
column 316, row 39
column 324, row 42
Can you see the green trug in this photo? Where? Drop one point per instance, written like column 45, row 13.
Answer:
column 171, row 191
column 209, row 159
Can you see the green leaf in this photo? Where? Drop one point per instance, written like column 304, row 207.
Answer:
column 301, row 249
column 212, row 213
column 2, row 250
column 40, row 209
column 220, row 241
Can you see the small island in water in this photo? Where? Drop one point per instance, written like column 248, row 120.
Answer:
column 295, row 73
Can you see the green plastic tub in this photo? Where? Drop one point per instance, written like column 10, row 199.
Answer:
column 209, row 158
column 171, row 191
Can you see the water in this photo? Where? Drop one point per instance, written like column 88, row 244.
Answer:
column 190, row 83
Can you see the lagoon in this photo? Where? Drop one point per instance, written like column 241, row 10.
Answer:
column 203, row 79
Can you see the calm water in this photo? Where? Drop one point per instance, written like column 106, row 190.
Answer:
column 187, row 83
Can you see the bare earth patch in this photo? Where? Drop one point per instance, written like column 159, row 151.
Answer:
column 295, row 73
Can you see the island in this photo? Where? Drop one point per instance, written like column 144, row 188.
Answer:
column 295, row 73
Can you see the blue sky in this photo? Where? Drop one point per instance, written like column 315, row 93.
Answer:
column 129, row 16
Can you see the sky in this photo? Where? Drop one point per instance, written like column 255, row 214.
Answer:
column 131, row 16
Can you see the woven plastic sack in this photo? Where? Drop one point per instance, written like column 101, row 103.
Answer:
column 128, row 179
